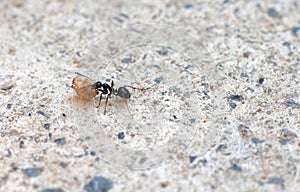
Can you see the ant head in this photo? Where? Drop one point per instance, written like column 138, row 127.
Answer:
column 98, row 85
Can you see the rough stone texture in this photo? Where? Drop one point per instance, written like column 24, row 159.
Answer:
column 251, row 107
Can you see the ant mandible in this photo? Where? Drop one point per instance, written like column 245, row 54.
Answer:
column 86, row 90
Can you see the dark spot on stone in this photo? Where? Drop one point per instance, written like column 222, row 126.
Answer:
column 93, row 153
column 53, row 190
column 221, row 147
column 63, row 164
column 261, row 80
column 192, row 120
column 235, row 167
column 272, row 12
column 162, row 52
column 244, row 75
column 8, row 106
column 236, row 97
column 232, row 105
column 276, row 181
column 43, row 113
column 32, row 172
column 126, row 60
column 246, row 54
column 174, row 116
column 22, row 144
column 256, row 140
column 98, row 184
column 288, row 133
column 188, row 6
column 47, row 126
column 159, row 79
column 291, row 103
column 285, row 141
column 295, row 31
column 193, row 158
column 121, row 135
column 60, row 141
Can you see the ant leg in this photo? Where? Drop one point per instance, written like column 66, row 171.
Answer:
column 99, row 100
column 105, row 104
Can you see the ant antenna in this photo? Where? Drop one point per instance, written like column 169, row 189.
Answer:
column 83, row 76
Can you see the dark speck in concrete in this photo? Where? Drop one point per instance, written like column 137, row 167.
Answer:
column 276, row 181
column 43, row 113
column 98, row 184
column 244, row 75
column 246, row 54
column 291, row 103
column 8, row 106
column 60, row 141
column 121, row 135
column 32, row 172
column 288, row 133
column 221, row 147
column 232, row 105
column 188, row 6
column 193, row 158
column 47, row 126
column 63, row 164
column 162, row 52
column 127, row 60
column 158, row 80
column 256, row 140
column 236, row 97
column 261, row 80
column 295, row 31
column 235, row 167
column 272, row 12
column 53, row 190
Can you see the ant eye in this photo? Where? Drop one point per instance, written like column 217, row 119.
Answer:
column 98, row 84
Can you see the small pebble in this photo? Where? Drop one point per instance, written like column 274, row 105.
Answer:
column 276, row 181
column 235, row 167
column 60, row 141
column 295, row 31
column 126, row 60
column 244, row 75
column 288, row 133
column 121, row 135
column 8, row 106
column 246, row 54
column 53, row 190
column 188, row 6
column 32, row 172
column 47, row 126
column 272, row 12
column 158, row 80
column 261, row 80
column 256, row 140
column 63, row 164
column 232, row 105
column 193, row 158
column 162, row 52
column 236, row 97
column 98, row 184
column 245, row 131
column 291, row 103
column 43, row 113
column 221, row 147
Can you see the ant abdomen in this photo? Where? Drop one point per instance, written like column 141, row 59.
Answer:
column 122, row 92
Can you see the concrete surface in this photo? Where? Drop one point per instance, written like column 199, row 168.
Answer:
column 222, row 113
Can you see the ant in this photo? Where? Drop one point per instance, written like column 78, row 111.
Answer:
column 86, row 90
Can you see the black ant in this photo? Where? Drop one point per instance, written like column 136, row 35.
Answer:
column 86, row 90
